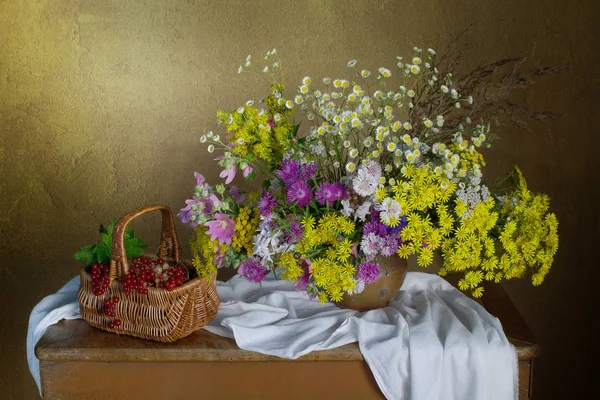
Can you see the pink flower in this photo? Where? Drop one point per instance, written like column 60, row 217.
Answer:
column 247, row 170
column 252, row 270
column 221, row 228
column 304, row 279
column 229, row 172
column 199, row 179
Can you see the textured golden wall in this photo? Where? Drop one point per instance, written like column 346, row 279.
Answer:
column 102, row 104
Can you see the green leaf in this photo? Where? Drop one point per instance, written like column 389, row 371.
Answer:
column 266, row 184
column 251, row 176
column 103, row 253
column 103, row 229
column 107, row 239
column 86, row 254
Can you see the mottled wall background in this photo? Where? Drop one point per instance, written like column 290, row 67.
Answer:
column 102, row 104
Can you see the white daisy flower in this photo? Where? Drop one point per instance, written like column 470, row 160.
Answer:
column 427, row 122
column 391, row 146
column 384, row 72
column 411, row 93
column 240, row 110
column 211, row 148
column 265, row 69
column 470, row 99
column 240, row 69
column 298, row 99
column 407, row 125
column 365, row 73
column 303, row 89
column 444, row 89
column 350, row 167
column 326, row 80
column 337, row 83
column 415, row 69
column 353, row 153
column 351, row 63
column 457, row 104
column 289, row 104
column 431, row 51
column 306, row 80
column 454, row 94
column 416, row 61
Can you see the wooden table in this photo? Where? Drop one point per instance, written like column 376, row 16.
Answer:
column 81, row 362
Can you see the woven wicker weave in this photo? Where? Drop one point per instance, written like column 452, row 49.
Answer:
column 160, row 315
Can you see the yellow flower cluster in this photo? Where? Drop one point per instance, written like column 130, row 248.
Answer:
column 290, row 266
column 530, row 235
column 330, row 238
column 204, row 251
column 246, row 224
column 421, row 195
column 251, row 133
column 471, row 249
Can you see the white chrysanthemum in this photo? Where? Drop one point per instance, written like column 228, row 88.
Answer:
column 363, row 210
column 276, row 65
column 410, row 157
column 277, row 117
column 389, row 210
column 454, row 94
column 336, row 164
column 415, row 69
column 298, row 99
column 351, row 98
column 202, row 138
column 388, row 168
column 310, row 116
column 326, row 80
column 353, row 153
column 289, row 104
column 240, row 110
column 411, row 93
column 365, row 73
column 457, row 104
column 431, row 51
column 345, row 83
column 351, row 63
column 444, row 89
column 347, row 210
column 346, row 143
column 350, row 166
column 240, row 69
column 337, row 83
column 368, row 142
column 241, row 141
column 391, row 146
column 356, row 123
column 384, row 72
column 303, row 89
column 427, row 122
column 306, row 80
column 416, row 61
column 439, row 121
column 265, row 69
column 211, row 148
column 470, row 99
column 407, row 125
column 359, row 286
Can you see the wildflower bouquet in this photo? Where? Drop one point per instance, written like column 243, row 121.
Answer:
column 391, row 165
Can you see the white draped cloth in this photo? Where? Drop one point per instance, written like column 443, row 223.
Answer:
column 431, row 342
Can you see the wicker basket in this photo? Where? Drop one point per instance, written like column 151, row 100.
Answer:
column 160, row 315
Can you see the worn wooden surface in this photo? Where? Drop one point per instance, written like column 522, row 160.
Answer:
column 80, row 362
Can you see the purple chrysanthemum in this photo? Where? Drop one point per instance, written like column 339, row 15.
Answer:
column 252, row 270
column 389, row 246
column 368, row 272
column 300, row 191
column 308, row 171
column 327, row 193
column 376, row 227
column 267, row 203
column 294, row 234
column 288, row 172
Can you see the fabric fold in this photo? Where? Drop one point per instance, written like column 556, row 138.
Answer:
column 431, row 342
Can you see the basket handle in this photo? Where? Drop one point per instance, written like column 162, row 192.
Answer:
column 169, row 243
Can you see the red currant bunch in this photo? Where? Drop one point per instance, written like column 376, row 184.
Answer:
column 100, row 278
